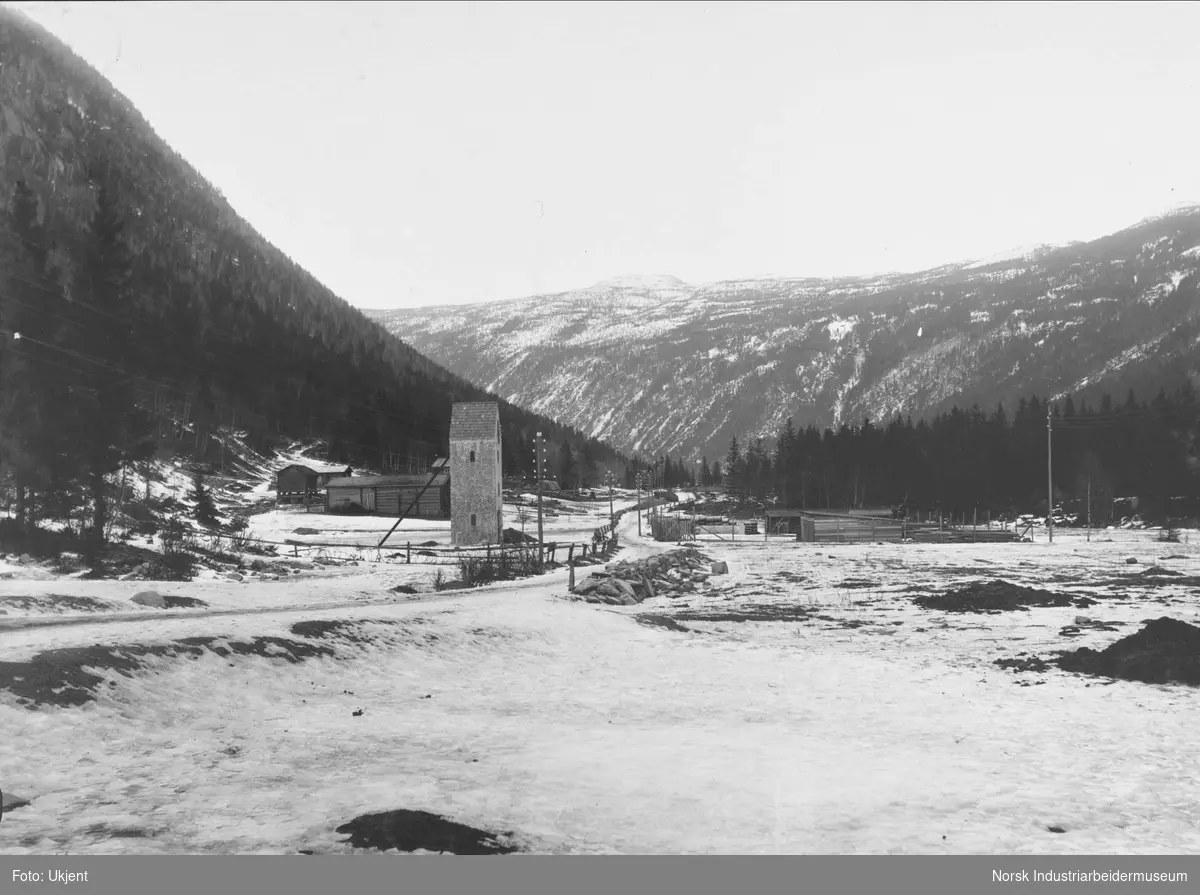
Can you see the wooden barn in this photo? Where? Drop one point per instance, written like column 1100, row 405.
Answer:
column 389, row 495
column 304, row 482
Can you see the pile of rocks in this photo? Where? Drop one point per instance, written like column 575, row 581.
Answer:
column 672, row 574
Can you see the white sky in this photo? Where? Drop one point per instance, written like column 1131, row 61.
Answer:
column 425, row 153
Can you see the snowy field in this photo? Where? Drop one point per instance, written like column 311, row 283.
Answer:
column 802, row 704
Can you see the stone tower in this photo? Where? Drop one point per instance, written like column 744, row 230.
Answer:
column 476, row 513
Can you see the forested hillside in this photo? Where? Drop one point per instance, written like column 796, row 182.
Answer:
column 967, row 460
column 141, row 314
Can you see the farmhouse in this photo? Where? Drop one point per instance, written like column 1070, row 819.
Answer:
column 303, row 482
column 476, row 514
column 390, row 495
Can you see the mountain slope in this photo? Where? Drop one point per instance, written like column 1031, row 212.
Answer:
column 661, row 365
column 131, row 278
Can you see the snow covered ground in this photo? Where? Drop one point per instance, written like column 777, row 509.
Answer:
column 869, row 725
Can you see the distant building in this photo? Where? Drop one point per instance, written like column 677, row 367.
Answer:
column 390, row 495
column 303, row 482
column 476, row 509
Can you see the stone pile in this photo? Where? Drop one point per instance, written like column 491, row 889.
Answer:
column 672, row 574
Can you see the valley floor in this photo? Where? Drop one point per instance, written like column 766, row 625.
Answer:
column 864, row 724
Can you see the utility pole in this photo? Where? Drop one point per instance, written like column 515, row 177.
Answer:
column 1049, row 477
column 1089, row 506
column 541, row 543
column 637, row 480
column 609, row 476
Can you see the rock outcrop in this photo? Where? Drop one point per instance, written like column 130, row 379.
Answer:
column 626, row 583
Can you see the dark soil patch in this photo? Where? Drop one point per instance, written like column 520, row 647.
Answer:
column 751, row 612
column 1155, row 576
column 1166, row 650
column 661, row 621
column 857, row 584
column 404, row 589
column 341, row 629
column 60, row 677
column 1024, row 663
column 997, row 596
column 57, row 603
column 352, row 630
column 121, row 559
column 1081, row 627
column 1158, row 572
column 116, row 832
column 407, row 830
column 184, row 603
column 10, row 802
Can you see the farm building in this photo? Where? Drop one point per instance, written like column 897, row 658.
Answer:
column 476, row 513
column 816, row 526
column 303, row 483
column 389, row 495
column 849, row 526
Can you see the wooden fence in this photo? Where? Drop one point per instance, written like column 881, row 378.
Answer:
column 310, row 500
column 448, row 556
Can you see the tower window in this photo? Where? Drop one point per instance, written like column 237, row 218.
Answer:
column 472, row 456
column 472, row 520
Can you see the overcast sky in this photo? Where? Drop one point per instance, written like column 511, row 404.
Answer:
column 425, row 153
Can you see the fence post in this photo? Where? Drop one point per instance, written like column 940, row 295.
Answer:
column 571, row 558
column 408, row 552
column 489, row 553
column 571, row 583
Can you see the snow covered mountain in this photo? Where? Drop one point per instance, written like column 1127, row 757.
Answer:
column 652, row 364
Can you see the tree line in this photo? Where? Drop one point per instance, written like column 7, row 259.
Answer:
column 966, row 460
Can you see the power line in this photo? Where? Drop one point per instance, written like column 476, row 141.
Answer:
column 183, row 392
column 154, row 324
column 185, row 387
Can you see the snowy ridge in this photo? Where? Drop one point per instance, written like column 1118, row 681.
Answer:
column 662, row 367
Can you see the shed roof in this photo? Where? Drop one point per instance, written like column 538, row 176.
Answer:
column 318, row 468
column 475, row 421
column 376, row 481
column 825, row 514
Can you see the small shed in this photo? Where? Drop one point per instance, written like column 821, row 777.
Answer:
column 303, row 482
column 389, row 495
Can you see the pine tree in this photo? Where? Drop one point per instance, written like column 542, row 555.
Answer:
column 566, row 466
column 733, row 466
column 205, row 510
